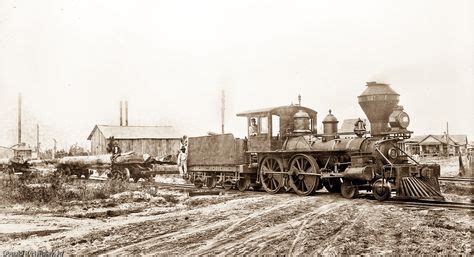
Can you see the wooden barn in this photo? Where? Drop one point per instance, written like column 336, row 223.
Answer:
column 152, row 140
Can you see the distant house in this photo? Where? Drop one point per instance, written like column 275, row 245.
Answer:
column 152, row 140
column 5, row 152
column 348, row 125
column 437, row 145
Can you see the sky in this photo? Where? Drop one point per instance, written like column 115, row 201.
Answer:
column 74, row 60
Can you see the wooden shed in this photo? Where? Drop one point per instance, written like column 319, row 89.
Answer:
column 152, row 140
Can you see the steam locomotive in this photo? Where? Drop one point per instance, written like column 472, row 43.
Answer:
column 283, row 151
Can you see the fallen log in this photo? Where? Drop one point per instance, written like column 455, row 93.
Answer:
column 101, row 160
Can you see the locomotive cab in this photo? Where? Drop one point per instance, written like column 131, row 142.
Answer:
column 269, row 128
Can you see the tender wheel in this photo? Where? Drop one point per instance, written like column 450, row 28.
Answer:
column 333, row 185
column 243, row 183
column 257, row 187
column 270, row 169
column 382, row 191
column 227, row 185
column 198, row 183
column 211, row 182
column 348, row 190
column 304, row 184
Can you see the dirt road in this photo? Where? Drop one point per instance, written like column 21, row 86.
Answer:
column 249, row 223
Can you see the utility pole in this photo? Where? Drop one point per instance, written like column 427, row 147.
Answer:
column 19, row 118
column 121, row 113
column 37, row 140
column 53, row 154
column 447, row 139
column 126, row 113
column 222, row 111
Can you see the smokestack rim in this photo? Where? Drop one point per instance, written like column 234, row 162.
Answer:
column 374, row 89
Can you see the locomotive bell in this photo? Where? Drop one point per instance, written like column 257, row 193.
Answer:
column 378, row 101
column 329, row 127
column 301, row 122
column 399, row 118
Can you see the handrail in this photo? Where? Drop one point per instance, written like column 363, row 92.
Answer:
column 396, row 146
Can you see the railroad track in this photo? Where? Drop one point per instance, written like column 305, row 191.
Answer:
column 456, row 179
column 433, row 204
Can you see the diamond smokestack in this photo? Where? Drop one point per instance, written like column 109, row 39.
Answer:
column 377, row 101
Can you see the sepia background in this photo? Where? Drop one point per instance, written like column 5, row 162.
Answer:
column 73, row 61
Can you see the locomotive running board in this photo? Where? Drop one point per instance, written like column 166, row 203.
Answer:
column 415, row 188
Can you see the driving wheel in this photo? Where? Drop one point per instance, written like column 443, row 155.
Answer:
column 271, row 174
column 302, row 168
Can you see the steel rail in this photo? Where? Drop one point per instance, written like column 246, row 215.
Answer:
column 432, row 204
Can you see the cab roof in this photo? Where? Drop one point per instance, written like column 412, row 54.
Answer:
column 280, row 110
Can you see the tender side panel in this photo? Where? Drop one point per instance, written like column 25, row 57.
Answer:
column 216, row 150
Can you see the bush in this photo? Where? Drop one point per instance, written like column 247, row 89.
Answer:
column 55, row 189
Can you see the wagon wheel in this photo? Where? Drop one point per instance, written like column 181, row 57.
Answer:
column 271, row 180
column 382, row 191
column 211, row 181
column 304, row 184
column 125, row 174
column 348, row 190
column 243, row 183
column 333, row 185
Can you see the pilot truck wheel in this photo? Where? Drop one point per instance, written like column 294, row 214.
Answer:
column 382, row 191
column 348, row 190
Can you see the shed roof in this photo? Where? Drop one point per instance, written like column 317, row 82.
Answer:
column 137, row 132
column 277, row 110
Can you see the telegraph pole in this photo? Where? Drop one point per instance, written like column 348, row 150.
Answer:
column 222, row 111
column 19, row 118
column 37, row 139
column 447, row 139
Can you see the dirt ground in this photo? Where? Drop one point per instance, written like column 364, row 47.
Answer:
column 149, row 220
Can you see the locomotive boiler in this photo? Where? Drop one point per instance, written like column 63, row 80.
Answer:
column 284, row 151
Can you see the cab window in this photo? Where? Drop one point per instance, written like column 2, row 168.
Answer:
column 263, row 125
column 253, row 126
column 275, row 125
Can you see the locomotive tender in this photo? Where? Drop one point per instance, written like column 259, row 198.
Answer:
column 284, row 151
